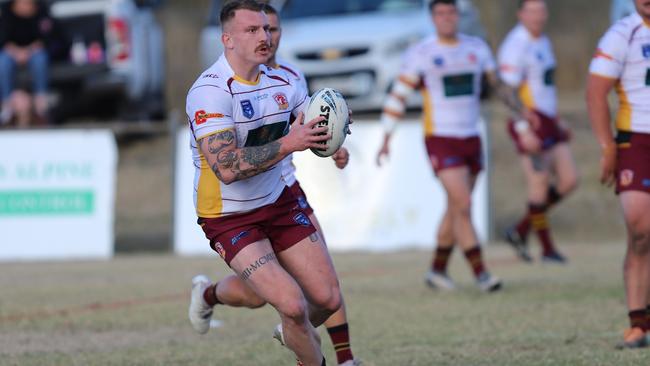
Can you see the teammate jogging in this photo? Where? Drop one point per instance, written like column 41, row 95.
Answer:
column 622, row 62
column 448, row 68
column 527, row 65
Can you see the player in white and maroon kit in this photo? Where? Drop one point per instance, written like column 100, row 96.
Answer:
column 448, row 68
column 527, row 65
column 622, row 62
column 240, row 111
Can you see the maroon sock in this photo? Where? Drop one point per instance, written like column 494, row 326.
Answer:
column 340, row 336
column 638, row 319
column 441, row 259
column 552, row 198
column 475, row 260
column 540, row 225
column 523, row 227
column 210, row 295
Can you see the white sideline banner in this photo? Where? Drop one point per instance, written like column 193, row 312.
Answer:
column 57, row 194
column 363, row 207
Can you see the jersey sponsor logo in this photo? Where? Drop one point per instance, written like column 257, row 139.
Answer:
column 238, row 237
column 302, row 202
column 438, row 61
column 472, row 58
column 451, row 161
column 282, row 101
column 247, row 108
column 202, row 116
column 301, row 219
column 265, row 134
column 219, row 248
column 211, row 76
column 549, row 77
column 458, row 85
column 626, row 178
column 261, row 97
column 540, row 56
column 645, row 49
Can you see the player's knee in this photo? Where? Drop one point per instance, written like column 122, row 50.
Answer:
column 326, row 298
column 639, row 239
column 462, row 207
column 294, row 308
column 569, row 184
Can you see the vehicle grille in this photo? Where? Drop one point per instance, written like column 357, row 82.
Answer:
column 332, row 54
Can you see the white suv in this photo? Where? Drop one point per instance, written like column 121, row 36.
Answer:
column 353, row 46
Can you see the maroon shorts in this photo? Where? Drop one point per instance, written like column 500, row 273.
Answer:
column 451, row 152
column 549, row 132
column 633, row 162
column 282, row 222
column 302, row 198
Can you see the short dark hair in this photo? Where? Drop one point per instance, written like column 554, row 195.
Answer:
column 268, row 9
column 229, row 8
column 522, row 3
column 433, row 3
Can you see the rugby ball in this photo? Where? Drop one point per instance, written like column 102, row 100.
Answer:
column 330, row 104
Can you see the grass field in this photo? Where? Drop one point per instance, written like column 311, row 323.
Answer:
column 132, row 311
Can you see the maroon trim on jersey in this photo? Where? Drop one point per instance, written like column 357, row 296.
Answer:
column 291, row 71
column 278, row 78
column 229, row 83
column 256, row 90
column 636, row 29
column 257, row 119
column 204, row 85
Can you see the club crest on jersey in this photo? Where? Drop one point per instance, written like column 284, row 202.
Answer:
column 646, row 50
column 247, row 108
column 626, row 177
column 438, row 61
column 282, row 101
column 219, row 248
column 301, row 219
column 472, row 58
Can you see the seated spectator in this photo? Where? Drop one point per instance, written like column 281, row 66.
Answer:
column 24, row 25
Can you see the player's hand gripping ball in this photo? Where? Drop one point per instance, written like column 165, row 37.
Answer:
column 329, row 104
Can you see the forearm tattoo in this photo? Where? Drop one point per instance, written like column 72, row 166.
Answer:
column 509, row 96
column 242, row 163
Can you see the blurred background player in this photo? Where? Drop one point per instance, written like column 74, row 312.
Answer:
column 24, row 27
column 622, row 61
column 448, row 68
column 239, row 139
column 337, row 324
column 527, row 65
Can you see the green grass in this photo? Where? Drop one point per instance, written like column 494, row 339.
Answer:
column 132, row 311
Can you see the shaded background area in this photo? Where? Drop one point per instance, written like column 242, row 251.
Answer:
column 143, row 217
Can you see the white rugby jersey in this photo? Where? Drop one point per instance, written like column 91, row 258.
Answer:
column 298, row 78
column 449, row 77
column 624, row 54
column 258, row 112
column 528, row 63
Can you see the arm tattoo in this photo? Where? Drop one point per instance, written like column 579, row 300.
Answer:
column 242, row 163
column 507, row 94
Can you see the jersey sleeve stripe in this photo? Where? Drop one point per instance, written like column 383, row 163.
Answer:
column 602, row 75
column 601, row 54
column 408, row 81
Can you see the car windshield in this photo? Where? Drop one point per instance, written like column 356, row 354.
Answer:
column 308, row 8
